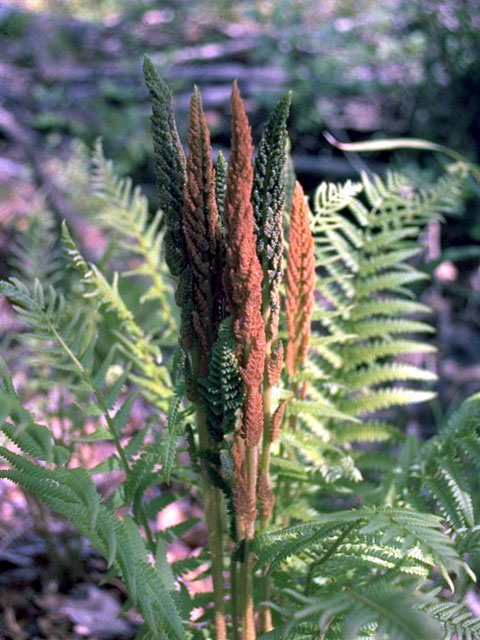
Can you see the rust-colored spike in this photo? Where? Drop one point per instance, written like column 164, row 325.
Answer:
column 243, row 290
column 201, row 228
column 266, row 496
column 276, row 420
column 300, row 282
column 275, row 363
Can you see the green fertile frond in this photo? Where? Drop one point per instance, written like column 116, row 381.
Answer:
column 268, row 200
column 125, row 211
column 169, row 166
column 220, row 184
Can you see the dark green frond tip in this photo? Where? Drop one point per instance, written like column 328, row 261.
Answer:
column 169, row 165
column 268, row 200
column 220, row 182
column 268, row 195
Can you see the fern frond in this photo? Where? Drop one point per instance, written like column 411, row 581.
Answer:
column 393, row 608
column 457, row 619
column 35, row 251
column 330, row 198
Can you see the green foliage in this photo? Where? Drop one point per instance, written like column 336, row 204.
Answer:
column 222, row 389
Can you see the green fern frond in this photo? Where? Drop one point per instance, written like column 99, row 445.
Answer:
column 176, row 419
column 222, row 390
column 457, row 619
column 71, row 493
column 394, row 608
column 424, row 530
column 372, row 401
column 379, row 374
column 35, row 254
column 356, row 355
column 125, row 211
column 330, row 198
column 367, row 431
column 387, row 307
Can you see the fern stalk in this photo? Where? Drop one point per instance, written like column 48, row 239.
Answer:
column 214, row 516
column 243, row 292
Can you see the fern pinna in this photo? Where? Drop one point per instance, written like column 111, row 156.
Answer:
column 324, row 520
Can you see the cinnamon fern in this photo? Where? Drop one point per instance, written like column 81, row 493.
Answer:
column 273, row 380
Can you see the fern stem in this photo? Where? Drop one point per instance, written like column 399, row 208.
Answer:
column 265, row 483
column 213, row 502
column 328, row 554
column 248, row 622
column 234, row 600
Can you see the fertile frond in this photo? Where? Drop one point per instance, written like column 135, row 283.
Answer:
column 268, row 199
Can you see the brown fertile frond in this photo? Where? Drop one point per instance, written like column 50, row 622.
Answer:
column 275, row 363
column 300, row 284
column 201, row 228
column 276, row 420
column 243, row 273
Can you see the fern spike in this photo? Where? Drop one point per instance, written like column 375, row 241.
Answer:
column 243, row 292
column 243, row 273
column 220, row 183
column 170, row 170
column 268, row 199
column 300, row 283
column 201, row 229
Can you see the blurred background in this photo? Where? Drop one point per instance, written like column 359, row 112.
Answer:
column 70, row 72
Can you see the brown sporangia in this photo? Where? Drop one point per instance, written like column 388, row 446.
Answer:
column 201, row 228
column 300, row 282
